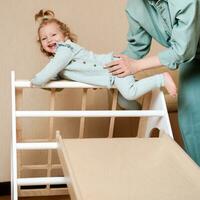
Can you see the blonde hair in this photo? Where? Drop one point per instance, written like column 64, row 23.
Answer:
column 47, row 17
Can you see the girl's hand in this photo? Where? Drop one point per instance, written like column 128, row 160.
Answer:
column 122, row 67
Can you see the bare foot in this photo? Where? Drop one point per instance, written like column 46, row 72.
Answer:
column 169, row 84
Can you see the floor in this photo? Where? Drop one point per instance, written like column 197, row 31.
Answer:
column 37, row 198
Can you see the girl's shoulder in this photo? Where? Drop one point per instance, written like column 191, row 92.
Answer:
column 70, row 45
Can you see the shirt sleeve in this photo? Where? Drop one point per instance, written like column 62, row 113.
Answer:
column 139, row 41
column 185, row 37
column 63, row 56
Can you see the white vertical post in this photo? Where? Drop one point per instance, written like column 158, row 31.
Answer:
column 14, row 195
column 18, row 106
column 166, row 120
column 155, row 102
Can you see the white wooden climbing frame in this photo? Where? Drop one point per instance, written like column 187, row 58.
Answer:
column 153, row 115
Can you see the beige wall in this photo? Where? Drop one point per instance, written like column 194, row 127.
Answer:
column 100, row 25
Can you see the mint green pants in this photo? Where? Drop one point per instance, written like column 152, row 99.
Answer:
column 131, row 90
column 189, row 108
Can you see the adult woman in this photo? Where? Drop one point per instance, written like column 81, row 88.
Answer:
column 175, row 25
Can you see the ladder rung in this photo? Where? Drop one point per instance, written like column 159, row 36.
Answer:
column 57, row 84
column 38, row 167
column 38, row 140
column 36, row 146
column 92, row 113
column 43, row 181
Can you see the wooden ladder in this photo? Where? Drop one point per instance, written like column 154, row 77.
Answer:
column 153, row 115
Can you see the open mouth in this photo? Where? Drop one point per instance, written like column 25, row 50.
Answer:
column 53, row 45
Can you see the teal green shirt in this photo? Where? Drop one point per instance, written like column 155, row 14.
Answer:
column 175, row 24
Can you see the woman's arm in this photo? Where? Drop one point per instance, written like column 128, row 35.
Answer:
column 184, row 40
column 127, row 66
column 139, row 42
column 185, row 34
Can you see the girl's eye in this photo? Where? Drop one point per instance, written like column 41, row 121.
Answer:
column 43, row 39
column 54, row 34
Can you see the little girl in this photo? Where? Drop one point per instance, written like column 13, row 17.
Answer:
column 71, row 61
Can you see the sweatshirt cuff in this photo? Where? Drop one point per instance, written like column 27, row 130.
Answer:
column 168, row 59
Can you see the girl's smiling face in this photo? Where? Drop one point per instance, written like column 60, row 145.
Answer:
column 50, row 35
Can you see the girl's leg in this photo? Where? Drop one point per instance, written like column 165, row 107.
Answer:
column 131, row 89
column 128, row 104
column 189, row 108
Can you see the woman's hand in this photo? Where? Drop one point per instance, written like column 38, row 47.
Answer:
column 122, row 67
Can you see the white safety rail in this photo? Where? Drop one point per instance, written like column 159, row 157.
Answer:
column 101, row 113
column 153, row 115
